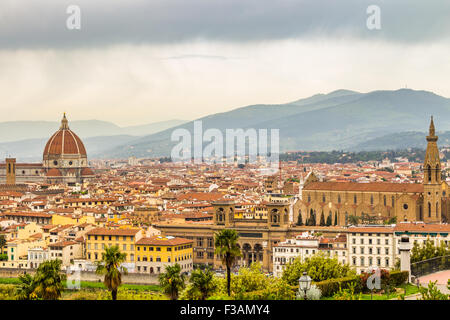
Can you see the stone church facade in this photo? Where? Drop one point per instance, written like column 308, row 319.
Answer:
column 380, row 201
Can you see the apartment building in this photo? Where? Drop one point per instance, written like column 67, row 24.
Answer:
column 302, row 246
column 371, row 246
column 154, row 254
column 66, row 251
column 305, row 246
column 98, row 239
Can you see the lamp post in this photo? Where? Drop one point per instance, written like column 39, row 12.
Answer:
column 304, row 283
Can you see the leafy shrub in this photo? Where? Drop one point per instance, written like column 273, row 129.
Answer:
column 347, row 294
column 384, row 281
column 432, row 292
column 319, row 267
column 331, row 286
column 7, row 292
column 397, row 278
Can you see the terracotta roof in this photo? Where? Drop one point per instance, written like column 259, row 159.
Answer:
column 63, row 244
column 368, row 187
column 162, row 241
column 54, row 173
column 87, row 172
column 373, row 229
column 113, row 232
column 421, row 227
column 27, row 214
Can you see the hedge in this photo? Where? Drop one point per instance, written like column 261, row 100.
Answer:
column 398, row 278
column 331, row 286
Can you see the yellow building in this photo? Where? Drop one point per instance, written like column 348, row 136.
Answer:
column 71, row 219
column 100, row 238
column 154, row 254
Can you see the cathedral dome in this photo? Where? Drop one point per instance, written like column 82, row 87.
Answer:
column 64, row 142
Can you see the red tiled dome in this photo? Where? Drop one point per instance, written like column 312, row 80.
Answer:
column 87, row 172
column 64, row 141
column 54, row 173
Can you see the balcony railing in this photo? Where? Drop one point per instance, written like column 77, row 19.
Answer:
column 432, row 265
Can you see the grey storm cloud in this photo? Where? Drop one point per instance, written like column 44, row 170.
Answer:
column 42, row 24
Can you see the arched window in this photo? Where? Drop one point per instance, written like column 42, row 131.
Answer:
column 437, row 209
column 429, row 209
column 371, row 199
column 429, row 173
column 437, row 173
column 355, row 199
column 323, row 198
column 339, row 198
column 384, row 200
column 393, row 201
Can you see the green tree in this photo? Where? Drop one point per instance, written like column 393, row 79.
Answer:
column 226, row 246
column 329, row 220
column 352, row 219
column 322, row 219
column 299, row 219
column 428, row 251
column 319, row 267
column 26, row 287
column 2, row 242
column 172, row 281
column 202, row 282
column 392, row 220
column 48, row 280
column 110, row 267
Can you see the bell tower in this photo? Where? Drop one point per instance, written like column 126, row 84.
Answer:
column 223, row 213
column 432, row 179
column 277, row 214
column 10, row 171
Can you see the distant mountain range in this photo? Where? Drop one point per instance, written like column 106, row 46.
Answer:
column 24, row 130
column 340, row 120
column 98, row 136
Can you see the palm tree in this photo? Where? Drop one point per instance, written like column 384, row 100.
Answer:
column 172, row 281
column 226, row 246
column 48, row 280
column 109, row 266
column 26, row 287
column 202, row 280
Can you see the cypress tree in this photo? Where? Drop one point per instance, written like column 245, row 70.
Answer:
column 329, row 220
column 322, row 219
column 299, row 220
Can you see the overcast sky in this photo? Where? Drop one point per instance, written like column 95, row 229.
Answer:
column 141, row 61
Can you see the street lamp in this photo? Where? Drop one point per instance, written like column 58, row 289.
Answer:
column 304, row 283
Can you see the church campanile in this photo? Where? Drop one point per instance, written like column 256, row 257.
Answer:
column 432, row 179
